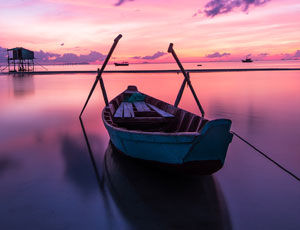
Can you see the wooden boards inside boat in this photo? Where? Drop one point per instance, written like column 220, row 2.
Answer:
column 141, row 106
column 128, row 109
column 160, row 112
column 140, row 114
column 119, row 112
column 125, row 110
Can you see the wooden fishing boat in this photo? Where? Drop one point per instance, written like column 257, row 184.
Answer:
column 147, row 128
column 156, row 131
column 247, row 60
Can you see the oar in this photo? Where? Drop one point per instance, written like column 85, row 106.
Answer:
column 100, row 73
column 186, row 76
column 178, row 98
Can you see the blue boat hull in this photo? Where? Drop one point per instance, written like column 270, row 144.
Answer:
column 210, row 144
column 175, row 138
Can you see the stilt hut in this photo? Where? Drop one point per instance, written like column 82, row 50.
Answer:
column 20, row 59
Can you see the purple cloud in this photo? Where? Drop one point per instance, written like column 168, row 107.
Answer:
column 287, row 57
column 121, row 2
column 263, row 54
column 73, row 58
column 291, row 56
column 45, row 57
column 216, row 7
column 196, row 14
column 154, row 56
column 217, row 55
column 68, row 57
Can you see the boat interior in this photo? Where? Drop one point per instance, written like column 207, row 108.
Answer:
column 150, row 114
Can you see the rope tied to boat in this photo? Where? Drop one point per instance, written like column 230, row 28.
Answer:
column 266, row 156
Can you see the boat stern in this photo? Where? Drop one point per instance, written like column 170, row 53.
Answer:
column 212, row 143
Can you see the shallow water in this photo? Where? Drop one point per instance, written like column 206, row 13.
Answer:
column 47, row 179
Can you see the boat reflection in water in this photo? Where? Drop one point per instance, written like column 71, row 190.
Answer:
column 151, row 198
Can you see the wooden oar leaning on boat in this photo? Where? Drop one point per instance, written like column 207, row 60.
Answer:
column 99, row 76
column 186, row 80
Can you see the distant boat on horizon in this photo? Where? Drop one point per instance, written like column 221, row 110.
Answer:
column 121, row 63
column 247, row 60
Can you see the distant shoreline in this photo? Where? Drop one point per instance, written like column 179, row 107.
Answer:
column 152, row 71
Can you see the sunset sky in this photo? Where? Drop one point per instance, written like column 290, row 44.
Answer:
column 206, row 30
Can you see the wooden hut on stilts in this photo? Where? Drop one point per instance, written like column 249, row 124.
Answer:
column 20, row 60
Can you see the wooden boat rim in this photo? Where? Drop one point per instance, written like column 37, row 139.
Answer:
column 145, row 132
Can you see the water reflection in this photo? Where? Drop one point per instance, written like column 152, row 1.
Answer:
column 78, row 165
column 252, row 118
column 23, row 84
column 39, row 181
column 7, row 164
column 153, row 199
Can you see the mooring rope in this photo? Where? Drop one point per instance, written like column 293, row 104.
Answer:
column 266, row 156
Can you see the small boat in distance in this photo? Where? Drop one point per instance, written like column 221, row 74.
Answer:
column 199, row 65
column 125, row 63
column 247, row 60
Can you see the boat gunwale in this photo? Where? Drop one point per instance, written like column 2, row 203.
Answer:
column 123, row 129
column 147, row 132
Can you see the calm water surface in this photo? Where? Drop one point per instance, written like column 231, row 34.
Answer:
column 47, row 179
column 173, row 66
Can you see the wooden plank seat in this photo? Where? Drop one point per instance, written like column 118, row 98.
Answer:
column 128, row 109
column 141, row 106
column 119, row 112
column 160, row 112
column 125, row 110
column 142, row 114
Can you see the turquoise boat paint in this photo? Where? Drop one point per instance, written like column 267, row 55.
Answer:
column 212, row 142
column 151, row 146
column 174, row 148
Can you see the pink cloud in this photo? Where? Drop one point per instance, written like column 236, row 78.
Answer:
column 217, row 55
column 294, row 56
column 47, row 57
column 263, row 54
column 73, row 58
column 154, row 56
